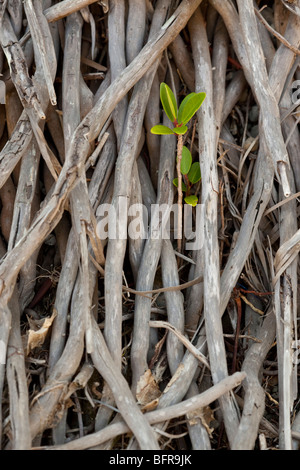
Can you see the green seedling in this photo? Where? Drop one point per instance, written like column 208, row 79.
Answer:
column 188, row 173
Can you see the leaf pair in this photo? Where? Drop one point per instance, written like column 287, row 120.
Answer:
column 179, row 117
column 160, row 129
column 192, row 172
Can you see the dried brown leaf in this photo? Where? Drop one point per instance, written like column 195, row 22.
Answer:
column 206, row 415
column 37, row 338
column 147, row 389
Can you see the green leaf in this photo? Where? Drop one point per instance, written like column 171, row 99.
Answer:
column 191, row 200
column 189, row 106
column 180, row 130
column 183, row 186
column 186, row 160
column 168, row 101
column 161, row 130
column 194, row 174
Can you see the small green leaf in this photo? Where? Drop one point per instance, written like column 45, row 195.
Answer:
column 183, row 186
column 161, row 130
column 189, row 106
column 186, row 160
column 180, row 130
column 194, row 174
column 191, row 200
column 168, row 101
